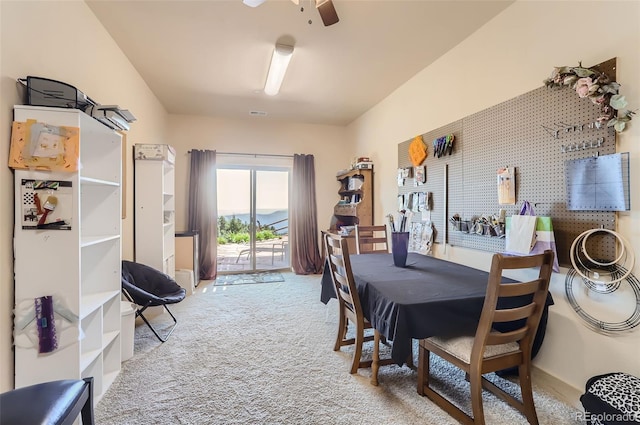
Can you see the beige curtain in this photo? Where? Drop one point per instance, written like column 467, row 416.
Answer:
column 305, row 257
column 203, row 209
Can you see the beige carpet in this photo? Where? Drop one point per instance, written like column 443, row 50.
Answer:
column 245, row 278
column 262, row 354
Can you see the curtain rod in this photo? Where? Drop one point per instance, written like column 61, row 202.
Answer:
column 255, row 155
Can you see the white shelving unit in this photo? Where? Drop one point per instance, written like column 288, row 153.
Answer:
column 81, row 266
column 155, row 206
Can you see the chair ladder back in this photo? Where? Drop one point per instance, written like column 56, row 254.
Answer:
column 373, row 240
column 519, row 288
column 510, row 262
column 369, row 238
column 344, row 292
column 531, row 311
column 340, row 266
column 513, row 314
column 332, row 255
column 498, row 338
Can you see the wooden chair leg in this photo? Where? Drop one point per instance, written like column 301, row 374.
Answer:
column 475, row 379
column 526, row 390
column 357, row 354
column 375, row 363
column 342, row 330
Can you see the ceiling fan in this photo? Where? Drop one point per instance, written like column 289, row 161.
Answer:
column 325, row 8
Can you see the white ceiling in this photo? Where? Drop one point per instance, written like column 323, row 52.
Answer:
column 210, row 57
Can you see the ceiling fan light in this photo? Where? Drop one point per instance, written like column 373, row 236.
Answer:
column 253, row 3
column 279, row 63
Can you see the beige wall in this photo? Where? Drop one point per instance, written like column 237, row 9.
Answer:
column 510, row 56
column 63, row 41
column 328, row 144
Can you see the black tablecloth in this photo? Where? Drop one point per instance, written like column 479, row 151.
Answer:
column 428, row 297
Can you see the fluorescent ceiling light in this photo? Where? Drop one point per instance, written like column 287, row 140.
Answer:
column 279, row 62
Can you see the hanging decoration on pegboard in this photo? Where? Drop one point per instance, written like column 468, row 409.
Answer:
column 506, row 186
column 599, row 88
column 604, row 286
column 417, row 151
column 443, row 145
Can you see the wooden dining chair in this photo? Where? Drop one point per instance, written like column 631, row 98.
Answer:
column 371, row 239
column 350, row 309
column 489, row 350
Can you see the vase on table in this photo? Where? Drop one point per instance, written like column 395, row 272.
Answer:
column 399, row 248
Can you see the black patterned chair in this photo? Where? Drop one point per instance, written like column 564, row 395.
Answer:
column 612, row 399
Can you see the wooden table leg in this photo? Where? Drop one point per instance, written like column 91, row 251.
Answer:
column 375, row 361
column 410, row 358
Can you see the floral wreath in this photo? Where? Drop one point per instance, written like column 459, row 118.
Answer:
column 598, row 87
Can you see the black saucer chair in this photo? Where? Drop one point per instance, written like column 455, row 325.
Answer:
column 148, row 287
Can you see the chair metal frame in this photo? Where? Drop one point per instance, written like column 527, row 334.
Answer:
column 150, row 303
column 489, row 350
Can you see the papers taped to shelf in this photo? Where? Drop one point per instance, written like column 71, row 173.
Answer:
column 40, row 146
column 25, row 330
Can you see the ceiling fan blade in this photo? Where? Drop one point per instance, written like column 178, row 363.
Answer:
column 327, row 12
column 253, row 3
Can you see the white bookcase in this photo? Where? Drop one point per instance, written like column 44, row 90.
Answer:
column 155, row 206
column 80, row 265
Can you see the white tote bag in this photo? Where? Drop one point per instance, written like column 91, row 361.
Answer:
column 521, row 234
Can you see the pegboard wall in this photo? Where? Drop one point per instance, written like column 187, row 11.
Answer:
column 435, row 175
column 536, row 133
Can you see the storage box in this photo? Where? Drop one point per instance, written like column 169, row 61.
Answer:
column 127, row 331
column 154, row 152
column 184, row 278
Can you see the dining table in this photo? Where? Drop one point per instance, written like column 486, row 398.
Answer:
column 428, row 297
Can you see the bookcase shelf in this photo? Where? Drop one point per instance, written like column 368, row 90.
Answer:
column 79, row 265
column 355, row 205
column 357, row 186
column 155, row 207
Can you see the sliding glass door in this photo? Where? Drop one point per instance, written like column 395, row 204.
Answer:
column 253, row 218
